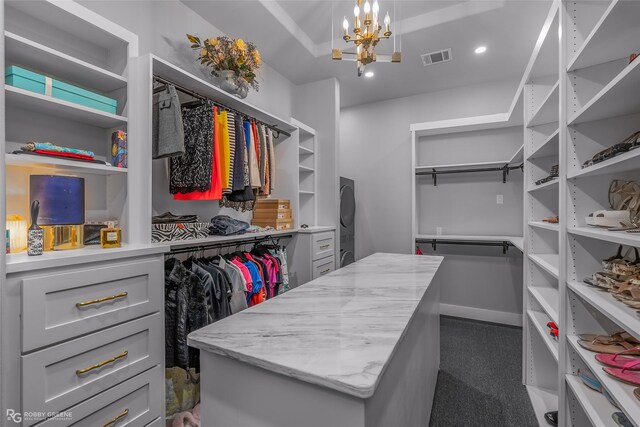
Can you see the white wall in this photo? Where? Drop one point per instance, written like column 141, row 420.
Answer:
column 162, row 26
column 375, row 151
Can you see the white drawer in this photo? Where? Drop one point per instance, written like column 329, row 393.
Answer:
column 137, row 401
column 322, row 245
column 322, row 267
column 64, row 375
column 58, row 307
column 156, row 423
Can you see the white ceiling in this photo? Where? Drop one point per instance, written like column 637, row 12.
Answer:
column 294, row 37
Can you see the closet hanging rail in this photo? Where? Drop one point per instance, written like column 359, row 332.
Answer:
column 504, row 169
column 197, row 95
column 228, row 244
column 505, row 244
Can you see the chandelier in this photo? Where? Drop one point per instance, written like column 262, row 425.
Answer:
column 367, row 33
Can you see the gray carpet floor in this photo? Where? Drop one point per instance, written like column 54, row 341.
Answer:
column 480, row 379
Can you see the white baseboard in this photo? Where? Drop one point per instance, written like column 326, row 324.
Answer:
column 503, row 317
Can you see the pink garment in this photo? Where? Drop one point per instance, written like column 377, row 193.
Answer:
column 245, row 274
column 187, row 419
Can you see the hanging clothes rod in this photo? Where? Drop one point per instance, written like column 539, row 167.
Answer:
column 504, row 169
column 194, row 94
column 219, row 245
column 505, row 244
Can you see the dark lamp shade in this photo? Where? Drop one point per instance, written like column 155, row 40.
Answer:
column 61, row 199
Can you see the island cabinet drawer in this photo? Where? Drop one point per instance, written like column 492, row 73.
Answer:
column 155, row 423
column 135, row 402
column 322, row 245
column 66, row 374
column 322, row 267
column 58, row 307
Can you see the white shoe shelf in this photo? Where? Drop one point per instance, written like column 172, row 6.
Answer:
column 593, row 94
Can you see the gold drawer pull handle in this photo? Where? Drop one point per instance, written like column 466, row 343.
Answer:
column 101, row 364
column 325, row 271
column 117, row 418
column 99, row 300
column 324, row 246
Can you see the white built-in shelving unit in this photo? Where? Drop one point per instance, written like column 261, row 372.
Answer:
column 67, row 42
column 599, row 108
column 307, row 177
column 583, row 68
column 541, row 351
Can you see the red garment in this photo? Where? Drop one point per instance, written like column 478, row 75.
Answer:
column 215, row 191
column 59, row 154
column 254, row 129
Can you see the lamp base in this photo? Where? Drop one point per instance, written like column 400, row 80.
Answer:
column 63, row 237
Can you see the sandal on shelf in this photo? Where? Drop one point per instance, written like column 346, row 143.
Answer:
column 621, row 419
column 622, row 147
column 552, row 219
column 623, row 265
column 598, row 346
column 613, row 338
column 592, row 382
column 619, row 361
column 606, row 281
column 626, row 375
column 551, row 418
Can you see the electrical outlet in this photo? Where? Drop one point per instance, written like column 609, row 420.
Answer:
column 439, row 231
column 499, row 199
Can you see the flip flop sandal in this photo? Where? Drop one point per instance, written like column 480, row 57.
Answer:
column 592, row 382
column 614, row 348
column 619, row 361
column 610, row 218
column 615, row 337
column 625, row 375
column 621, row 419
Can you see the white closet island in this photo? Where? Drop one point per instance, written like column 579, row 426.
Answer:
column 357, row 347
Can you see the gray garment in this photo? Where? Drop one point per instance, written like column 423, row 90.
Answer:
column 168, row 133
column 238, row 300
column 208, row 285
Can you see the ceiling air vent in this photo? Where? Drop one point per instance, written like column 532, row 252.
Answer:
column 436, row 57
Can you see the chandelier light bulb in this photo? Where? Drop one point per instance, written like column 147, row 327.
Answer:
column 356, row 11
column 345, row 24
column 387, row 19
column 376, row 7
column 367, row 7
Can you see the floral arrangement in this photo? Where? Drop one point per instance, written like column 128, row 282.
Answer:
column 223, row 53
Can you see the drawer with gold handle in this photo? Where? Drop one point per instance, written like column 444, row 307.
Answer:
column 117, row 418
column 103, row 363
column 322, row 245
column 135, row 402
column 101, row 300
column 58, row 307
column 77, row 369
column 322, row 267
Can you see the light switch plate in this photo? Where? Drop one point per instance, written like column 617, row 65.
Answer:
column 439, row 231
column 499, row 199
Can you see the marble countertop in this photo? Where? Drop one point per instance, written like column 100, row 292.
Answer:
column 339, row 331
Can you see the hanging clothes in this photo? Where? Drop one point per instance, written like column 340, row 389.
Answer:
column 167, row 131
column 224, row 150
column 242, row 196
column 192, row 170
column 262, row 157
column 272, row 160
column 252, row 149
column 215, row 189
column 231, row 126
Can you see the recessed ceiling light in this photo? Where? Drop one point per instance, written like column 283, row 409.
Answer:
column 481, row 49
column 369, row 74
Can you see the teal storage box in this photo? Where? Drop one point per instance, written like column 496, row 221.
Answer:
column 34, row 82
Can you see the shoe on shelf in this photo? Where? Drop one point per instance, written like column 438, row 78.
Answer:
column 610, row 347
column 592, row 382
column 626, row 374
column 552, row 219
column 551, row 418
column 613, row 338
column 621, row 419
